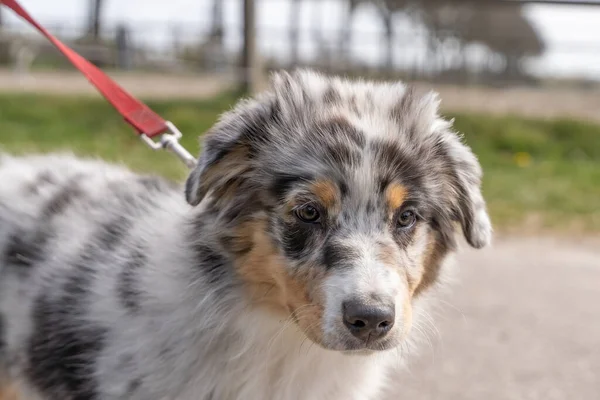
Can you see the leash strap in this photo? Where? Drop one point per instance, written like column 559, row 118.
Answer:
column 145, row 121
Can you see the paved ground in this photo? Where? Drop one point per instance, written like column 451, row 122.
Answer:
column 524, row 325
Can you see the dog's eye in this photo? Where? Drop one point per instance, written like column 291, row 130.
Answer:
column 406, row 219
column 308, row 213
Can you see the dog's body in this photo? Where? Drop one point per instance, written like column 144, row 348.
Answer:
column 320, row 217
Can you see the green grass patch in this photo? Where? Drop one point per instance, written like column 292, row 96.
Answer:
column 539, row 174
column 90, row 126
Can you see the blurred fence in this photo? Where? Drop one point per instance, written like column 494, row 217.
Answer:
column 460, row 42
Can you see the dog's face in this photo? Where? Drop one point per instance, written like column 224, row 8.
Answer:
column 339, row 202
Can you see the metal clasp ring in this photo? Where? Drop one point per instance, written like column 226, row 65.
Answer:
column 170, row 141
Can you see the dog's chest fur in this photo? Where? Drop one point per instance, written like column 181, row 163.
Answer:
column 273, row 363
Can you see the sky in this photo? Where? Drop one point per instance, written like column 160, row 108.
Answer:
column 572, row 33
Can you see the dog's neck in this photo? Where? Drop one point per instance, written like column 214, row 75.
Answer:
column 257, row 352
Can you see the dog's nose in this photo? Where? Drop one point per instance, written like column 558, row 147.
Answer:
column 367, row 321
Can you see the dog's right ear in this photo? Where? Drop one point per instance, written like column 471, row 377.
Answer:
column 228, row 149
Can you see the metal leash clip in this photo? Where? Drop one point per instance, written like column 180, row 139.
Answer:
column 170, row 141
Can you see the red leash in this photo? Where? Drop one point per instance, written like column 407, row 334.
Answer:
column 145, row 121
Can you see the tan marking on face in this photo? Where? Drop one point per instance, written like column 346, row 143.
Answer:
column 395, row 195
column 414, row 279
column 415, row 274
column 432, row 262
column 8, row 391
column 268, row 282
column 326, row 191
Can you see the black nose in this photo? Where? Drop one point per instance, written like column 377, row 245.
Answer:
column 367, row 321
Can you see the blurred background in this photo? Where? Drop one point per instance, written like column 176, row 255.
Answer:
column 521, row 78
column 494, row 42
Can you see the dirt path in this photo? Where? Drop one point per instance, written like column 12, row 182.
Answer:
column 140, row 84
column 584, row 104
column 529, row 102
column 524, row 325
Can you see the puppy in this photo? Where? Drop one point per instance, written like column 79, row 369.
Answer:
column 319, row 219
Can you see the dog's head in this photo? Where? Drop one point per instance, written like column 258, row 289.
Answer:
column 339, row 201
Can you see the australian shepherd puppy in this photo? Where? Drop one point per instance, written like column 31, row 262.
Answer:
column 320, row 217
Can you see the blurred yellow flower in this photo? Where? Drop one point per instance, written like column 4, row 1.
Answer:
column 522, row 159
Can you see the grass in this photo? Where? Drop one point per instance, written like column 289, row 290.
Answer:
column 542, row 175
column 538, row 174
column 90, row 126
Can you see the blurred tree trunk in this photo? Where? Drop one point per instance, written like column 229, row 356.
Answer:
column 249, row 67
column 389, row 40
column 434, row 48
column 95, row 18
column 513, row 66
column 217, row 31
column 346, row 34
column 124, row 51
column 212, row 50
column 294, row 31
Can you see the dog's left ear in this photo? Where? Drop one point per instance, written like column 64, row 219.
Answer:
column 227, row 151
column 468, row 206
column 460, row 166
